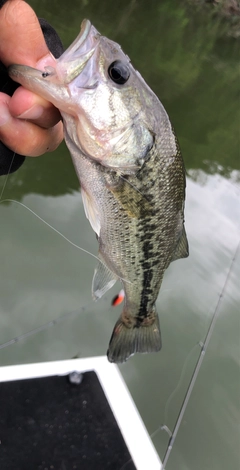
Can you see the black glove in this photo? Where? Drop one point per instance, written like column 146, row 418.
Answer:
column 10, row 161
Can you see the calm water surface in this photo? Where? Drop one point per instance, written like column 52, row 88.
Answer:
column 190, row 61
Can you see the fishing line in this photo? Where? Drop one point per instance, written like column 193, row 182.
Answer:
column 40, row 218
column 64, row 316
column 126, row 464
column 204, row 346
column 178, row 384
column 6, row 179
column 61, row 234
column 58, row 320
column 45, row 326
column 50, row 226
column 132, row 186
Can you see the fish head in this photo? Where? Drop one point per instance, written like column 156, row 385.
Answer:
column 105, row 103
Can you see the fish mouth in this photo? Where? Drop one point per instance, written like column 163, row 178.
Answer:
column 73, row 60
column 51, row 82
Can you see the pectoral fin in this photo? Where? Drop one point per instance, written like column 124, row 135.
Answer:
column 91, row 211
column 103, row 280
column 130, row 199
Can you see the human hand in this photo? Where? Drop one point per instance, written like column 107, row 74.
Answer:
column 29, row 125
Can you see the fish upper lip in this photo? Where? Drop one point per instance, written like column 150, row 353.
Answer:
column 81, row 38
column 73, row 60
column 84, row 32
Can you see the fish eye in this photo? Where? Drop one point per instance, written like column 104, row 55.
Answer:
column 119, row 72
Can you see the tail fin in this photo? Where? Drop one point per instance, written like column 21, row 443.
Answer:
column 126, row 341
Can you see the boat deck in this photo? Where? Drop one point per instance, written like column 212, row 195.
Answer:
column 74, row 414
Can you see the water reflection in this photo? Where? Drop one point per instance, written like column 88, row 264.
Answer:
column 43, row 278
column 193, row 67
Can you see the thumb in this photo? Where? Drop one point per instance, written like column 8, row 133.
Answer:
column 21, row 37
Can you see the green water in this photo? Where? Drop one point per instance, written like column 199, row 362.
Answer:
column 187, row 57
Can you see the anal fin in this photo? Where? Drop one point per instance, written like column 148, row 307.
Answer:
column 103, row 280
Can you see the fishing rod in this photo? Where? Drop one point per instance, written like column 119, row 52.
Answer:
column 204, row 346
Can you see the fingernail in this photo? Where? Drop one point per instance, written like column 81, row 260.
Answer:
column 32, row 113
column 5, row 116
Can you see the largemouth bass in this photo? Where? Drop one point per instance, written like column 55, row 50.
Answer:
column 131, row 173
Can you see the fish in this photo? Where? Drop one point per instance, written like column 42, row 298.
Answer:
column 131, row 172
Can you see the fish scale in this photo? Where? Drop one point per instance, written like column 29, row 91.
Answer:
column 131, row 173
